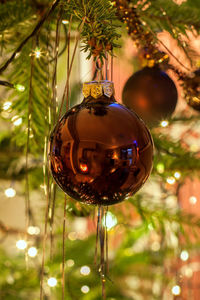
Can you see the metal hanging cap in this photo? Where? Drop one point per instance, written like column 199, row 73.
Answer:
column 97, row 89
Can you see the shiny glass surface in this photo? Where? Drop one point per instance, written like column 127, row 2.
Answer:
column 100, row 152
column 152, row 94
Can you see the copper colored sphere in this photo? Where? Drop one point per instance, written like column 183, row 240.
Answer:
column 100, row 152
column 152, row 94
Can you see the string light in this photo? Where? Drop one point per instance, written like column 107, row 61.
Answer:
column 65, row 21
column 184, row 255
column 188, row 272
column 164, row 123
column 85, row 270
column 32, row 252
column 70, row 263
column 160, row 168
column 171, row 180
column 10, row 192
column 52, row 281
column 85, row 289
column 37, row 53
column 177, row 175
column 16, row 120
column 20, row 88
column 193, row 200
column 21, row 244
column 33, row 230
column 109, row 221
column 7, row 105
column 176, row 290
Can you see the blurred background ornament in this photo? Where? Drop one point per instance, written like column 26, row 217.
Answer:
column 191, row 87
column 100, row 151
column 151, row 93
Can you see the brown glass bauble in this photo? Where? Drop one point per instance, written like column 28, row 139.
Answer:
column 192, row 90
column 100, row 151
column 152, row 94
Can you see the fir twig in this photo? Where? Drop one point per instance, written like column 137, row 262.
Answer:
column 33, row 33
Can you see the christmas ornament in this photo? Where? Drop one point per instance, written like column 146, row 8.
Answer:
column 139, row 33
column 100, row 151
column 151, row 93
column 191, row 86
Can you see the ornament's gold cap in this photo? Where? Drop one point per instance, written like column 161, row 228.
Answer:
column 97, row 89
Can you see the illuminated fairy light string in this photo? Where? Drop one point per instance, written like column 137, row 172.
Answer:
column 21, row 244
column 7, row 105
column 52, row 282
column 32, row 252
column 184, row 255
column 176, row 290
column 164, row 123
column 85, row 270
column 10, row 192
column 85, row 289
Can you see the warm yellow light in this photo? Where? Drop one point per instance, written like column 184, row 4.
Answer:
column 85, row 270
column 7, row 105
column 193, row 200
column 164, row 123
column 85, row 289
column 176, row 290
column 21, row 244
column 16, row 120
column 37, row 53
column 184, row 255
column 10, row 192
column 65, row 21
column 160, row 168
column 52, row 281
column 20, row 87
column 177, row 175
column 70, row 263
column 171, row 180
column 32, row 252
column 33, row 230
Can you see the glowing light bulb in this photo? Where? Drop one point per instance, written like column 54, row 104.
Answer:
column 109, row 220
column 52, row 281
column 7, row 105
column 171, row 180
column 37, row 53
column 21, row 244
column 176, row 290
column 65, row 21
column 193, row 200
column 20, row 88
column 160, row 168
column 70, row 263
column 85, row 289
column 16, row 120
column 33, row 230
column 177, row 175
column 10, row 192
column 85, row 270
column 164, row 123
column 184, row 255
column 32, row 252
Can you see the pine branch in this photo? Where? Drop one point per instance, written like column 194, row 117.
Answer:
column 32, row 34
